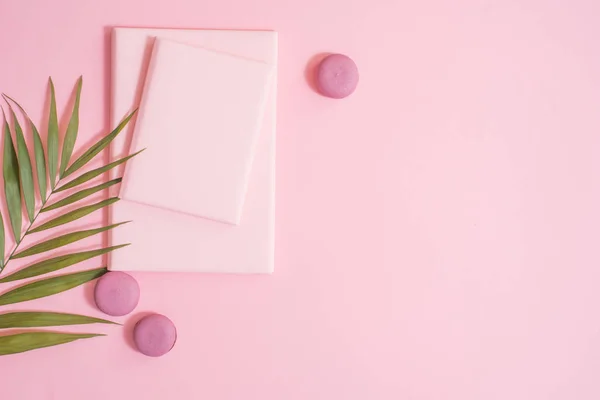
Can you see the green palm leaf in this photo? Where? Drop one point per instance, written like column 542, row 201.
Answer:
column 22, row 342
column 94, row 173
column 25, row 170
column 40, row 161
column 2, row 243
column 57, row 263
column 19, row 187
column 71, row 134
column 37, row 319
column 80, row 195
column 52, row 137
column 74, row 215
column 49, row 286
column 63, row 241
column 12, row 189
column 38, row 148
column 98, row 147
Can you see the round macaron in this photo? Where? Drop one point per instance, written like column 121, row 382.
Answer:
column 155, row 335
column 337, row 76
column 117, row 293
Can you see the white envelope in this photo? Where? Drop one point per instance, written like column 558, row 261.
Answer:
column 167, row 240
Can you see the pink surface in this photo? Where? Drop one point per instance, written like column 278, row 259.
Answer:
column 200, row 118
column 171, row 241
column 437, row 231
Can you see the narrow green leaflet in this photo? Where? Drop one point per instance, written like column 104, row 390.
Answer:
column 74, row 215
column 57, row 263
column 94, row 173
column 98, row 147
column 71, row 134
column 40, row 161
column 49, row 286
column 37, row 319
column 63, row 240
column 25, row 170
column 52, row 137
column 12, row 189
column 80, row 195
column 22, row 342
column 2, row 243
column 38, row 148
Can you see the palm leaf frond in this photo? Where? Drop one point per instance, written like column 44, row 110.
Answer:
column 74, row 215
column 98, row 147
column 20, row 193
column 63, row 240
column 94, row 173
column 2, row 243
column 57, row 263
column 38, row 150
column 25, row 169
column 52, row 137
column 12, row 188
column 49, row 286
column 72, row 129
column 22, row 342
column 80, row 195
column 40, row 162
column 34, row 319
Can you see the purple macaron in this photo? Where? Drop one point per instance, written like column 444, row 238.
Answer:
column 337, row 76
column 155, row 335
column 117, row 293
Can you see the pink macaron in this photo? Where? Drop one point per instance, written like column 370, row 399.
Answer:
column 117, row 293
column 155, row 335
column 337, row 76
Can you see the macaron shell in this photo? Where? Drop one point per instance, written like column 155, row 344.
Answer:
column 337, row 76
column 155, row 335
column 117, row 293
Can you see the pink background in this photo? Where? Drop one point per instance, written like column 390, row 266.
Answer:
column 436, row 232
